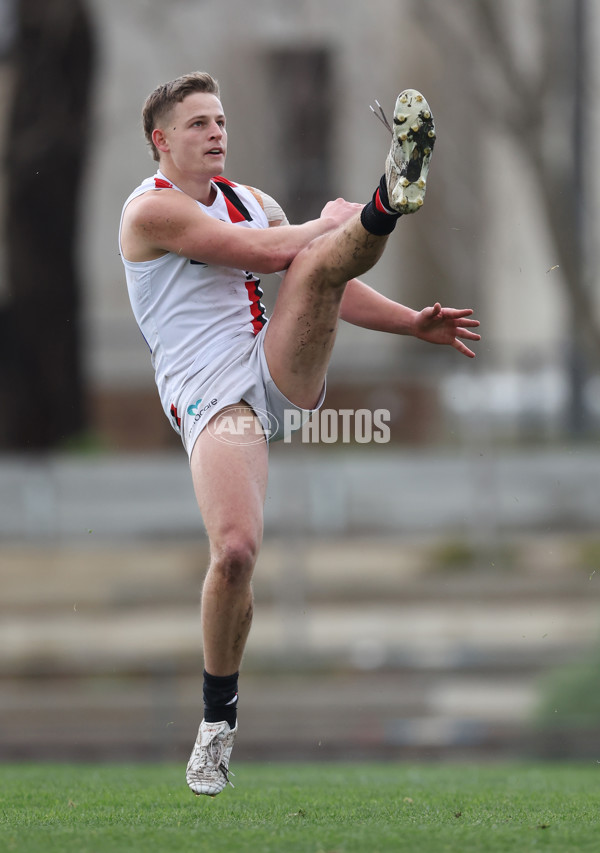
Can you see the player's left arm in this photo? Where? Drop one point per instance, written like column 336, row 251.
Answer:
column 363, row 306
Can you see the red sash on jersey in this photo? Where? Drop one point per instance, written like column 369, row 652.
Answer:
column 238, row 212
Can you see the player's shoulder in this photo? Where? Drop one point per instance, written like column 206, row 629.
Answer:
column 271, row 208
column 159, row 201
column 245, row 190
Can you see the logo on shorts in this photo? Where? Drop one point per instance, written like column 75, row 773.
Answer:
column 240, row 425
column 196, row 412
column 195, row 408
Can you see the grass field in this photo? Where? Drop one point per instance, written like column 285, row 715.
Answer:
column 314, row 808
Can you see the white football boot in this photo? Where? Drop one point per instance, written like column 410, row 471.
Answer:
column 413, row 138
column 208, row 768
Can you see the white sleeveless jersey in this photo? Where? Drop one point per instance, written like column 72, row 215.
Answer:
column 190, row 312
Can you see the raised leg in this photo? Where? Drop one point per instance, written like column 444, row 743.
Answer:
column 301, row 332
column 300, row 336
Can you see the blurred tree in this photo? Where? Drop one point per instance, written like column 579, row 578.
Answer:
column 569, row 706
column 41, row 391
column 528, row 81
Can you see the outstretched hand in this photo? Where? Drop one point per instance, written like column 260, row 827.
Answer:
column 447, row 326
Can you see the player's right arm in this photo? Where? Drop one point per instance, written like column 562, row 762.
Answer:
column 166, row 220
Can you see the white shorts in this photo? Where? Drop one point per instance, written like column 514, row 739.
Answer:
column 239, row 374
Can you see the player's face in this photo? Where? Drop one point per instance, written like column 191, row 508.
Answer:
column 196, row 135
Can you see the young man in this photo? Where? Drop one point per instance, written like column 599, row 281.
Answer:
column 192, row 245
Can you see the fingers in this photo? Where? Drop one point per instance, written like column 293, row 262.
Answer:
column 431, row 311
column 459, row 314
column 462, row 348
column 469, row 336
column 462, row 314
column 466, row 334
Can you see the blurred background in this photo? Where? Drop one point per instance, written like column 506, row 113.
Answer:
column 436, row 596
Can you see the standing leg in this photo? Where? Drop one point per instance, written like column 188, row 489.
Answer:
column 230, row 481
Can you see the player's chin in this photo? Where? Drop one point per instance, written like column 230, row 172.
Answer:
column 217, row 162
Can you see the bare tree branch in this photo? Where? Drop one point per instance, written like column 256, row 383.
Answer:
column 523, row 108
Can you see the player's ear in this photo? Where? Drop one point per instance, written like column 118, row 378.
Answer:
column 159, row 139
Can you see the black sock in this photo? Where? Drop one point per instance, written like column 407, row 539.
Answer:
column 220, row 698
column 377, row 216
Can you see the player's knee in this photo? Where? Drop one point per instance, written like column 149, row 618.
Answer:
column 234, row 559
column 316, row 261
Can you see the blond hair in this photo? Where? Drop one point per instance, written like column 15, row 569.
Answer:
column 161, row 101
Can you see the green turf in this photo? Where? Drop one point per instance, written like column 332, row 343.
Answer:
column 302, row 807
